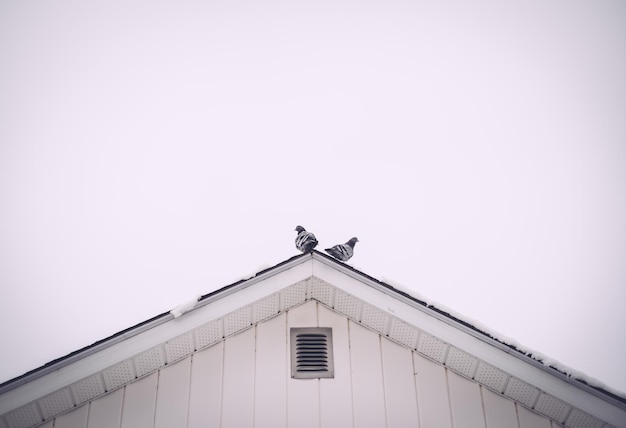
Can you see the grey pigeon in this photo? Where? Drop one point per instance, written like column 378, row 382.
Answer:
column 343, row 252
column 305, row 241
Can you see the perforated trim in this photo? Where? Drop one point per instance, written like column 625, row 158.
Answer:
column 265, row 308
column 491, row 377
column 403, row 333
column 118, row 375
column 322, row 291
column 237, row 321
column 461, row 362
column 208, row 334
column 375, row 319
column 552, row 407
column 348, row 305
column 293, row 295
column 88, row 388
column 432, row 347
column 522, row 392
column 60, row 401
column 579, row 419
column 149, row 361
column 179, row 347
column 24, row 417
column 56, row 403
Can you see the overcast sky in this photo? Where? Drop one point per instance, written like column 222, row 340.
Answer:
column 155, row 150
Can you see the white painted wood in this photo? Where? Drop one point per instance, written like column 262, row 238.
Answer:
column 399, row 381
column 155, row 333
column 499, row 410
column 303, row 409
column 270, row 407
column 432, row 394
column 238, row 383
column 466, row 339
column 139, row 403
column 75, row 419
column 159, row 331
column 529, row 419
column 465, row 402
column 172, row 400
column 106, row 412
column 336, row 394
column 368, row 397
column 205, row 392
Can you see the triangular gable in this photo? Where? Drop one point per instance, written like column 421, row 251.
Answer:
column 136, row 352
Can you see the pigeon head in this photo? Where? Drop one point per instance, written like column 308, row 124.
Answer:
column 352, row 242
column 299, row 229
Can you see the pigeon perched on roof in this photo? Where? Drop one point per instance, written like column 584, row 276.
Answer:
column 343, row 252
column 305, row 241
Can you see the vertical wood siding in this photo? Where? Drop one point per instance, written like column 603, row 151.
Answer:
column 368, row 401
column 106, row 412
column 270, row 385
column 238, row 384
column 303, row 396
column 172, row 401
column 205, row 391
column 336, row 394
column 465, row 402
column 499, row 411
column 245, row 381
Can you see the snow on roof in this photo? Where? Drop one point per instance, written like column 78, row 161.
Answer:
column 506, row 340
column 384, row 281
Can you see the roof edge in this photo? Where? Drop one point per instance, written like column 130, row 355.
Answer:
column 468, row 328
column 143, row 326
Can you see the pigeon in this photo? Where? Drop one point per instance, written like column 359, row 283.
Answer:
column 343, row 252
column 305, row 241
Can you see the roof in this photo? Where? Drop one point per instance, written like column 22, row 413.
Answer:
column 112, row 362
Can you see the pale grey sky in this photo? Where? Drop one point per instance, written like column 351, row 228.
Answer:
column 151, row 151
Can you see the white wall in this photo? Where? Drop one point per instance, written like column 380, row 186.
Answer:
column 244, row 381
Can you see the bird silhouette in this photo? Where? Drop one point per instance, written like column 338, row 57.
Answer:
column 343, row 252
column 305, row 241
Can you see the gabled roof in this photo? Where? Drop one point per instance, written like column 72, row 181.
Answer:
column 111, row 363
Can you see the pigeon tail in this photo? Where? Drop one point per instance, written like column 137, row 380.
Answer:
column 305, row 241
column 343, row 252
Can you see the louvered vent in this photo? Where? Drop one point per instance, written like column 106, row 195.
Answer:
column 312, row 353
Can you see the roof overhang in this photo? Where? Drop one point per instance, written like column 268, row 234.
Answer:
column 309, row 276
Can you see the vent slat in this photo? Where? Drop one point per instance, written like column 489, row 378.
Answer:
column 311, row 353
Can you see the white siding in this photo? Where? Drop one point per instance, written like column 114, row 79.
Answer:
column 270, row 407
column 238, row 384
column 499, row 410
column 302, row 394
column 465, row 402
column 75, row 419
column 172, row 400
column 432, row 394
column 245, row 381
column 367, row 378
column 528, row 419
column 106, row 412
column 205, row 392
column 399, row 381
column 336, row 394
column 139, row 403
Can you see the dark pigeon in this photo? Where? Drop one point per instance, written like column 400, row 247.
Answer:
column 305, row 241
column 343, row 252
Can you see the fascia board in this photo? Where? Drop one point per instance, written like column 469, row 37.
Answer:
column 464, row 338
column 165, row 329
